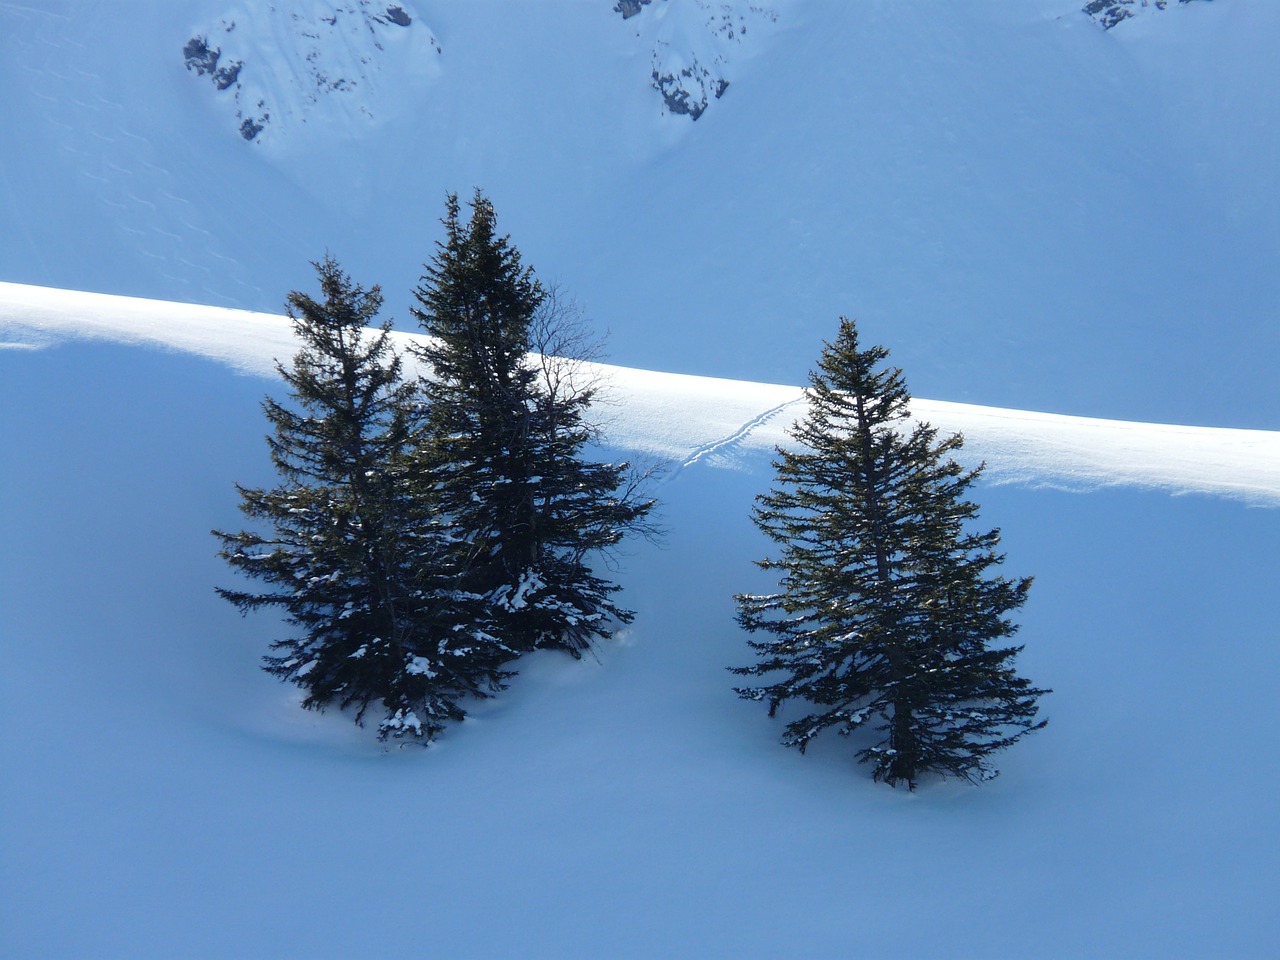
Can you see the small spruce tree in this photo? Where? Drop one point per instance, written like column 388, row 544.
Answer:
column 889, row 615
column 510, row 436
column 358, row 557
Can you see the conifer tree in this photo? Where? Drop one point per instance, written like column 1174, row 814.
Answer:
column 889, row 613
column 529, row 508
column 357, row 557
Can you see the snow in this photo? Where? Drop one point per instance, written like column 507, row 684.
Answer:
column 419, row 666
column 518, row 599
column 685, row 420
column 1032, row 213
column 312, row 72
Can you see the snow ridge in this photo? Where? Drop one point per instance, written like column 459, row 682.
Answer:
column 729, row 444
column 716, row 422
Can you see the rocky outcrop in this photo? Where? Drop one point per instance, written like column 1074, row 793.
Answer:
column 629, row 8
column 395, row 15
column 274, row 67
column 1109, row 13
column 689, row 91
column 695, row 43
column 203, row 60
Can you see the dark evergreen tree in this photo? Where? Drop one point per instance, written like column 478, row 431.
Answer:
column 511, row 434
column 357, row 557
column 889, row 614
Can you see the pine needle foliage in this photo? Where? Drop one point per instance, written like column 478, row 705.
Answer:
column 357, row 556
column 528, row 507
column 889, row 615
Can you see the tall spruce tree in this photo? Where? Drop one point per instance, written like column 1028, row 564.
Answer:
column 357, row 557
column 889, row 613
column 511, row 437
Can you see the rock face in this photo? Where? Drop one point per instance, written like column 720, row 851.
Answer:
column 1111, row 12
column 689, row 91
column 695, row 43
column 275, row 64
column 314, row 70
column 204, row 60
column 629, row 8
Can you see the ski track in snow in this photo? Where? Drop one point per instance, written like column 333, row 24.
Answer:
column 687, row 420
column 728, row 444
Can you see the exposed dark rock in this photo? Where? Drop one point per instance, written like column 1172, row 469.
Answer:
column 629, row 8
column 695, row 46
column 200, row 56
column 331, row 50
column 397, row 16
column 251, row 126
column 685, row 92
column 203, row 59
column 1111, row 12
column 227, row 74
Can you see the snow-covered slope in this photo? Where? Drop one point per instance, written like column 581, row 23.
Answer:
column 680, row 420
column 284, row 71
column 697, row 45
column 1033, row 212
column 1112, row 13
column 163, row 796
column 1027, row 207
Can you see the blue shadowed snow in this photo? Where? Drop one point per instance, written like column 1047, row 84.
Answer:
column 173, row 799
column 1029, row 211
